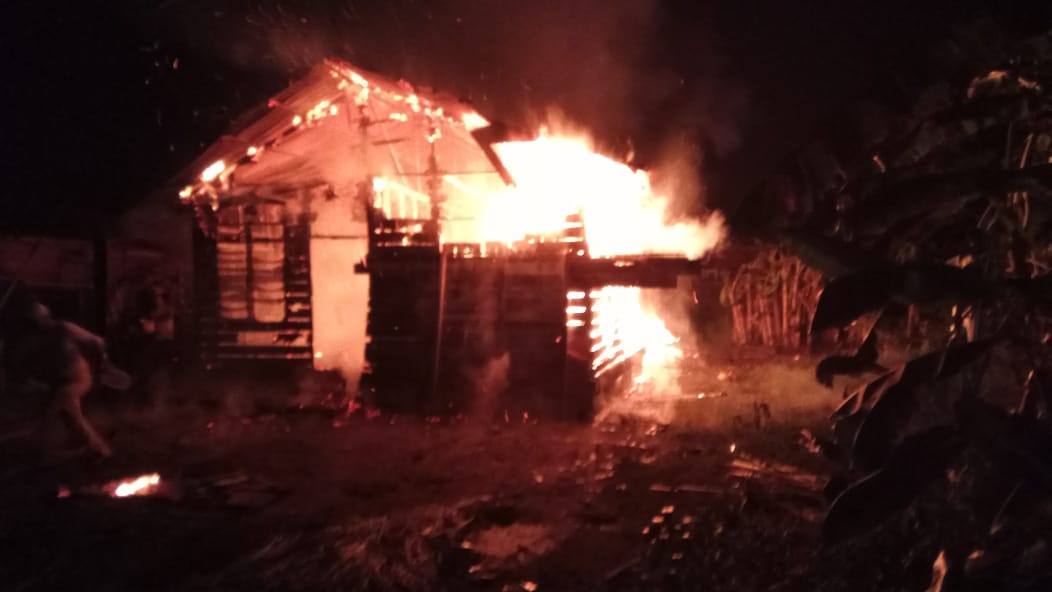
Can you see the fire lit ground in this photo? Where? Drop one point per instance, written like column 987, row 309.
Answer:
column 722, row 496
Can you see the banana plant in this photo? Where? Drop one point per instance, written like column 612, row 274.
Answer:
column 947, row 217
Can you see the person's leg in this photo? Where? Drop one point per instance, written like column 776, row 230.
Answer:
column 69, row 396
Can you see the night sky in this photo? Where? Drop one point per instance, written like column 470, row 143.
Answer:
column 105, row 101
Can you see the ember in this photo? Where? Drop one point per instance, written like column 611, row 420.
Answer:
column 139, row 486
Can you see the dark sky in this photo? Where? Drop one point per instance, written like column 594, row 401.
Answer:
column 105, row 101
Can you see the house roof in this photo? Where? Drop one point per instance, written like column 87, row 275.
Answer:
column 341, row 125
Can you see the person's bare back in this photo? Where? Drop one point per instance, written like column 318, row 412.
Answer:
column 68, row 362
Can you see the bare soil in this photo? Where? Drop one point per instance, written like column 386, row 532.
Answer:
column 721, row 497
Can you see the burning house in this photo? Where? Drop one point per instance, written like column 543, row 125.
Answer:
column 359, row 224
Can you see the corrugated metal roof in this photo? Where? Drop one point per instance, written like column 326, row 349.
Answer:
column 394, row 120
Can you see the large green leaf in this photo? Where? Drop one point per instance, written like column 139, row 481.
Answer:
column 848, row 297
column 863, row 397
column 951, row 127
column 1037, row 291
column 1021, row 445
column 868, row 502
column 861, row 362
column 893, row 406
column 945, row 362
column 898, row 200
column 831, row 256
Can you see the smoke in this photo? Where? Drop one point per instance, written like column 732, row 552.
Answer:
column 488, row 383
column 635, row 73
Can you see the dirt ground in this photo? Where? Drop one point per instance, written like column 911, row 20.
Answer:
column 686, row 493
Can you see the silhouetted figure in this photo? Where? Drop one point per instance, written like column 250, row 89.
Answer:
column 64, row 360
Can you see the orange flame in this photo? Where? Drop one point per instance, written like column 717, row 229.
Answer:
column 621, row 328
column 212, row 171
column 562, row 183
column 557, row 176
column 142, row 485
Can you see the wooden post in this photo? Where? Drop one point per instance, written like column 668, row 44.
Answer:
column 440, row 323
column 783, row 280
column 739, row 323
column 750, row 311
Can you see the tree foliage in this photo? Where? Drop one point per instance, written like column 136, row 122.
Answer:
column 947, row 216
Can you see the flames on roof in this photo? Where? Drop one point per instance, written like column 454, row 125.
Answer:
column 375, row 114
column 427, row 170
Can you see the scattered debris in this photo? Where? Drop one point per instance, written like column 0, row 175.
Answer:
column 237, row 490
column 698, row 488
column 744, row 466
column 515, row 544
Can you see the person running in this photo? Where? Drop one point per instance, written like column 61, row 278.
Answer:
column 64, row 360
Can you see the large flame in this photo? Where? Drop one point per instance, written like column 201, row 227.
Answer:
column 560, row 181
column 557, row 176
column 622, row 327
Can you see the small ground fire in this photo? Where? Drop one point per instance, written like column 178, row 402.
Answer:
column 141, row 485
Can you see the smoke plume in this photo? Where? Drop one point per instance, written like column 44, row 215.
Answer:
column 631, row 72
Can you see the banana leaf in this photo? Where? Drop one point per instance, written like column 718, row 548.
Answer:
column 863, row 397
column 831, row 256
column 848, row 297
column 862, row 361
column 892, row 407
column 868, row 502
column 898, row 200
column 1021, row 445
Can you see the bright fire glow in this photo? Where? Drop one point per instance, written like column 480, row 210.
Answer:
column 566, row 191
column 214, row 170
column 558, row 177
column 622, row 328
column 473, row 120
column 142, row 485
